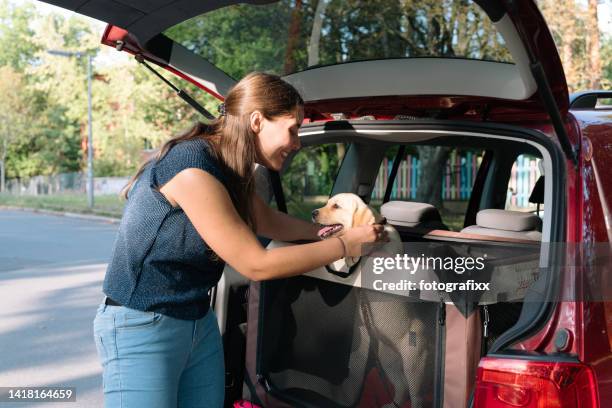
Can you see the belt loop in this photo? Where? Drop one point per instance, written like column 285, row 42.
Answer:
column 104, row 303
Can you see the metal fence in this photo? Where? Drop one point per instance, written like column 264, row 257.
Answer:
column 457, row 179
column 64, row 183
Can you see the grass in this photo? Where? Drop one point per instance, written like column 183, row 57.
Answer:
column 105, row 205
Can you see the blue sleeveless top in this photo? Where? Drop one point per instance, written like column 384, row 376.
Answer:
column 159, row 261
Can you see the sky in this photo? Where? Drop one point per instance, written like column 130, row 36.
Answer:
column 604, row 14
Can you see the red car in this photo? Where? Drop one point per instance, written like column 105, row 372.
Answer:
column 453, row 146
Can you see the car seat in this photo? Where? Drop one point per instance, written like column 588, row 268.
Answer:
column 507, row 224
column 412, row 214
column 537, row 194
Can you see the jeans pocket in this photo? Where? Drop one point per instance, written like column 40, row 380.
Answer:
column 136, row 319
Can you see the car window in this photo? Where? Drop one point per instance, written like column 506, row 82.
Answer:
column 439, row 175
column 525, row 172
column 284, row 37
column 603, row 103
column 309, row 178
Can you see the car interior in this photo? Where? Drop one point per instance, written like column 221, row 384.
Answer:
column 326, row 340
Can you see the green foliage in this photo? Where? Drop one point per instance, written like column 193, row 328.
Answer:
column 243, row 37
column 606, row 62
column 239, row 39
column 133, row 110
column 17, row 45
column 49, row 99
column 313, row 171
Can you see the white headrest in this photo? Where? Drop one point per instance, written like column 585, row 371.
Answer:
column 508, row 220
column 409, row 213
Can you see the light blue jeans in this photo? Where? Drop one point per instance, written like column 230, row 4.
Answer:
column 156, row 361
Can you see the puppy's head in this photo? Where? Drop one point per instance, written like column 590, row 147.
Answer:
column 344, row 210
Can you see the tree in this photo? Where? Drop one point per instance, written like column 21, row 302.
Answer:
column 593, row 46
column 293, row 38
column 17, row 45
column 606, row 59
column 315, row 33
column 13, row 114
column 134, row 110
column 239, row 39
column 568, row 23
column 432, row 160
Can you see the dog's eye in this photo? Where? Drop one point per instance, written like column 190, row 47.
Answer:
column 335, row 206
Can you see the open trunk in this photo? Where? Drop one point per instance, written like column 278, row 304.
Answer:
column 323, row 340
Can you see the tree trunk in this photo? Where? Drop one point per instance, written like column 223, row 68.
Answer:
column 2, row 165
column 385, row 36
column 2, row 177
column 568, row 32
column 340, row 151
column 432, row 160
column 294, row 34
column 593, row 46
column 315, row 34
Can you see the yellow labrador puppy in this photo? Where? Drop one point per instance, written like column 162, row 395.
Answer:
column 347, row 210
column 397, row 326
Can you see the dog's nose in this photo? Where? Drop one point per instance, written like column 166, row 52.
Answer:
column 315, row 213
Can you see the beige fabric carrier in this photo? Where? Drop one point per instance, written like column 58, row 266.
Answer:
column 461, row 357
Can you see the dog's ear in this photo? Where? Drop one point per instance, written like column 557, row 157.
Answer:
column 363, row 216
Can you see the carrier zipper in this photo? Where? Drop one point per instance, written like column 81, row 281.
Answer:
column 486, row 319
column 439, row 373
column 485, row 323
column 442, row 313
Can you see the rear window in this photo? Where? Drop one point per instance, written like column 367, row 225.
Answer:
column 450, row 194
column 309, row 178
column 525, row 172
column 291, row 36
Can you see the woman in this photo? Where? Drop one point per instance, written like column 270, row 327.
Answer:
column 190, row 210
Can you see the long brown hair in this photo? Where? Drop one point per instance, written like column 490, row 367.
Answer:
column 231, row 137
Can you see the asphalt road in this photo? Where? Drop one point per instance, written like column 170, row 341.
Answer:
column 51, row 272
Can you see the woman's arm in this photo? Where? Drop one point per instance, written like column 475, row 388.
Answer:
column 208, row 206
column 277, row 225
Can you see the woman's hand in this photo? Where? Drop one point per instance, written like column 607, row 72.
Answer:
column 355, row 237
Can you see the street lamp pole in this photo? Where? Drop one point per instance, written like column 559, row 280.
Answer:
column 90, row 171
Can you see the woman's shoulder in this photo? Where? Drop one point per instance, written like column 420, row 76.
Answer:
column 196, row 146
column 197, row 149
column 192, row 153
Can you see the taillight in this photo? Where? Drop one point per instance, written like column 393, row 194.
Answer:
column 509, row 383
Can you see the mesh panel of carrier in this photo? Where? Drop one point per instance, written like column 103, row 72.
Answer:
column 324, row 344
